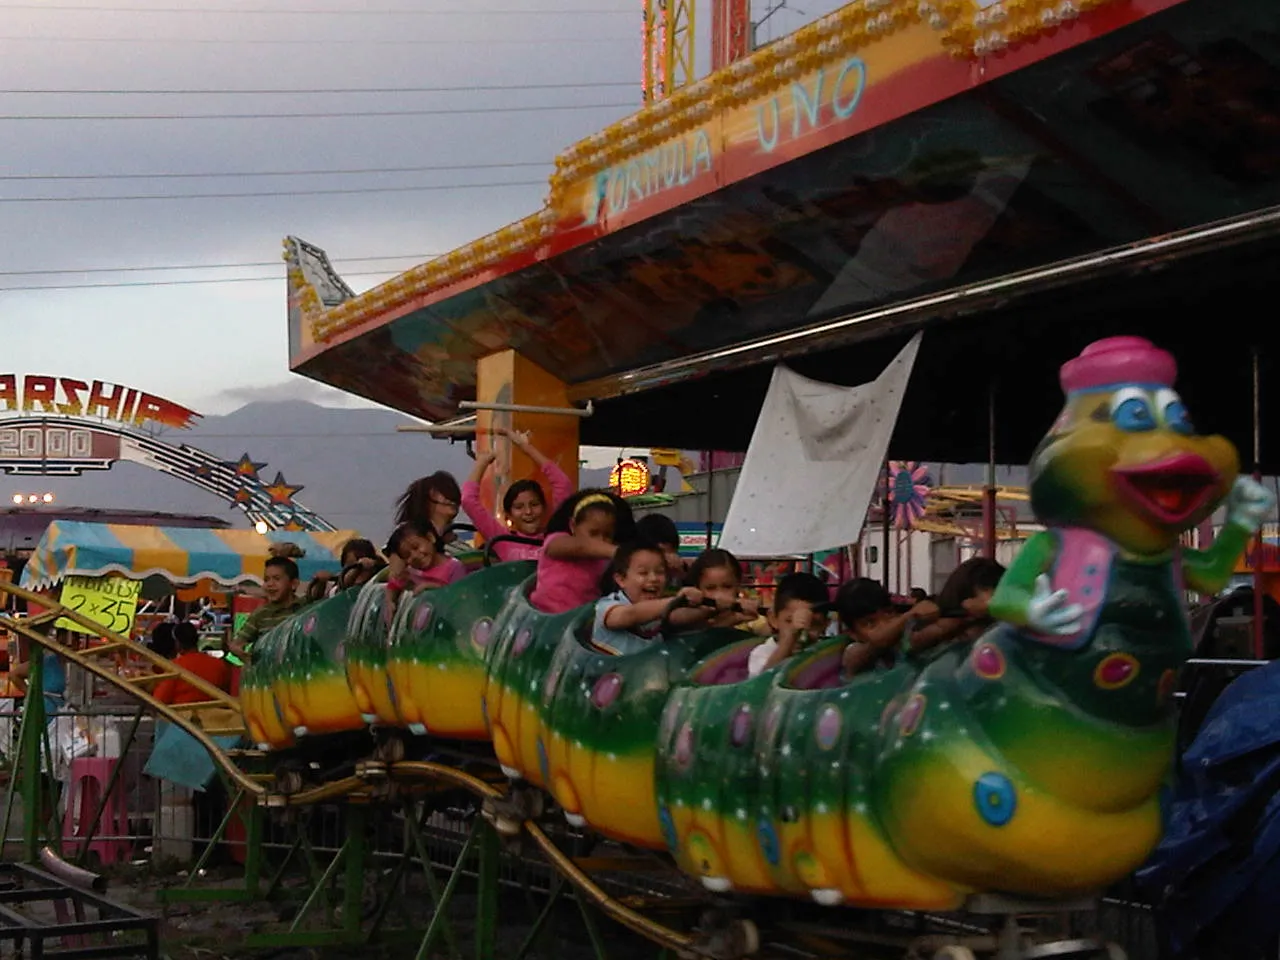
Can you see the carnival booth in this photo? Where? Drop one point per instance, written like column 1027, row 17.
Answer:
column 98, row 569
column 231, row 558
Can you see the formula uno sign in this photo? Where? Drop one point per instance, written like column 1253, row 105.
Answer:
column 60, row 426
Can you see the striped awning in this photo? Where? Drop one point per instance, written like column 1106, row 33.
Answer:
column 181, row 554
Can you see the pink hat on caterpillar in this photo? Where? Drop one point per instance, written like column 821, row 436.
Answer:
column 1118, row 360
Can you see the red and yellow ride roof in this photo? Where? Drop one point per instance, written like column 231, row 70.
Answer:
column 892, row 151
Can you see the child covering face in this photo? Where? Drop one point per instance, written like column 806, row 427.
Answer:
column 793, row 619
column 875, row 624
column 968, row 590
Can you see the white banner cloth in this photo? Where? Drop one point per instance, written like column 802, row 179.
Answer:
column 815, row 456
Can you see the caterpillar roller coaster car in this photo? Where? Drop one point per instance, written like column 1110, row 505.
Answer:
column 1029, row 762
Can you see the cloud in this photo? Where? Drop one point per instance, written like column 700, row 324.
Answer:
column 208, row 344
column 295, row 388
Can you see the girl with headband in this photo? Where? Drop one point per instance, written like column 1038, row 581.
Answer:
column 580, row 543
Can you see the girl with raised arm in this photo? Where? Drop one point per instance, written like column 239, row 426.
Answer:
column 525, row 504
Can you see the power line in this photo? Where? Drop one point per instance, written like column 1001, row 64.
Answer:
column 323, row 116
column 326, row 41
column 471, row 88
column 269, row 173
column 320, row 11
column 420, row 257
column 169, row 283
column 276, row 193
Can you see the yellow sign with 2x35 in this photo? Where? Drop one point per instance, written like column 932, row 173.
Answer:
column 110, row 601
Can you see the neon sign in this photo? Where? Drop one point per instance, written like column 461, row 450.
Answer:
column 68, row 397
column 49, row 447
column 629, row 478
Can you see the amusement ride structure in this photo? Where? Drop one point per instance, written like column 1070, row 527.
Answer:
column 1015, row 178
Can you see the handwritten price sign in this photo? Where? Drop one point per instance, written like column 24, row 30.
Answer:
column 110, row 601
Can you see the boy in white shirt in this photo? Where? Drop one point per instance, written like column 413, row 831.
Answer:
column 793, row 620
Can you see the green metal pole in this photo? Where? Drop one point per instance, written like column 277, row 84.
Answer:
column 438, row 919
column 588, row 921
column 16, row 782
column 30, row 749
column 321, row 884
column 540, row 922
column 433, row 885
column 357, row 851
column 487, row 891
column 253, row 846
column 53, row 829
column 207, row 854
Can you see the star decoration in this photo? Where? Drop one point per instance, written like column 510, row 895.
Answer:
column 293, row 526
column 246, row 467
column 243, row 495
column 202, row 470
column 281, row 491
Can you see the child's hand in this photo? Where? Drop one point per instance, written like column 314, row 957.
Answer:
column 750, row 609
column 976, row 607
column 396, row 566
column 926, row 611
column 486, row 458
column 803, row 618
column 690, row 595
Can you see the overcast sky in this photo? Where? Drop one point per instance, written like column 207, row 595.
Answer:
column 213, row 346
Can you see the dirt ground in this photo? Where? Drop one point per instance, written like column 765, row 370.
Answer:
column 217, row 930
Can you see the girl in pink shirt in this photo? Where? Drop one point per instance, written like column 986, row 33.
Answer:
column 524, row 504
column 415, row 561
column 578, row 547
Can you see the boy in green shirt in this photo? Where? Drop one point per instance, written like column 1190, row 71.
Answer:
column 280, row 584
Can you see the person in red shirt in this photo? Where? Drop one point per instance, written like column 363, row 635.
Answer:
column 175, row 690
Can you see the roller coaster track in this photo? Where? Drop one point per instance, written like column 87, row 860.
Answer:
column 220, row 716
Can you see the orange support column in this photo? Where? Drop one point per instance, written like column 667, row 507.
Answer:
column 508, row 378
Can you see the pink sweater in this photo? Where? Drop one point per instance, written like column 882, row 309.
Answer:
column 562, row 585
column 490, row 526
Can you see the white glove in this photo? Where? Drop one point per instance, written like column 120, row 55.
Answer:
column 1049, row 612
column 1249, row 504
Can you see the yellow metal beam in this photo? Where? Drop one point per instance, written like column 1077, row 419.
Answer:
column 679, row 37
column 651, row 55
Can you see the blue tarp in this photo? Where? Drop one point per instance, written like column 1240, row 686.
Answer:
column 1218, row 867
column 179, row 758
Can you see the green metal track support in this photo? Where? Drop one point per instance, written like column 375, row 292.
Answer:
column 487, row 890
column 252, row 863
column 30, row 747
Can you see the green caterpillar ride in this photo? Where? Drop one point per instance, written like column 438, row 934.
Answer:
column 1029, row 762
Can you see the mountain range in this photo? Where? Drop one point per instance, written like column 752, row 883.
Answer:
column 351, row 463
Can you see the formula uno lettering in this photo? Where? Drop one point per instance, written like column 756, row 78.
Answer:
column 674, row 164
column 35, row 393
column 827, row 96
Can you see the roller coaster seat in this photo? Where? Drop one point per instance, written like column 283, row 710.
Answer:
column 728, row 665
column 817, row 670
